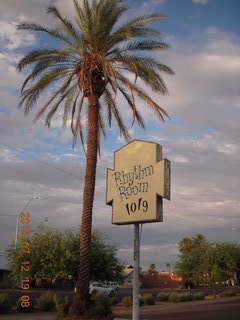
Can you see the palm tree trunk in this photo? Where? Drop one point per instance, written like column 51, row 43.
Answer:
column 81, row 298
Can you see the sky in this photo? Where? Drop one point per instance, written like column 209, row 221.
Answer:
column 201, row 138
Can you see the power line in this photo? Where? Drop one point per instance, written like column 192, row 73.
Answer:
column 7, row 215
column 41, row 161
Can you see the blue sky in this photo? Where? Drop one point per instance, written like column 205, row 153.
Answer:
column 201, row 139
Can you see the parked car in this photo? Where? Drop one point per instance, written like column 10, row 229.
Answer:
column 43, row 283
column 96, row 287
column 113, row 285
column 101, row 287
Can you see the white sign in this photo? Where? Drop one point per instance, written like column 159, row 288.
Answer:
column 139, row 181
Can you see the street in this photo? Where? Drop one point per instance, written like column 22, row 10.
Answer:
column 223, row 309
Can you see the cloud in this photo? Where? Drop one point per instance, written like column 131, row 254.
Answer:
column 152, row 4
column 201, row 1
column 201, row 139
column 11, row 38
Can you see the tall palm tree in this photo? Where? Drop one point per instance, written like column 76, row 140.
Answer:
column 94, row 64
column 168, row 267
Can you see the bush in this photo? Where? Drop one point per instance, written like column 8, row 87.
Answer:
column 46, row 302
column 174, row 297
column 5, row 304
column 127, row 301
column 163, row 296
column 198, row 296
column 148, row 299
column 62, row 306
column 187, row 296
column 101, row 307
column 141, row 302
column 24, row 306
column 228, row 293
column 182, row 297
column 114, row 300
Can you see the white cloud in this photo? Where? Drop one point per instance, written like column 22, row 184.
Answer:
column 201, row 1
column 152, row 3
column 11, row 38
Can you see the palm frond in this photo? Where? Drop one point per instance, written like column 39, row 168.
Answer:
column 68, row 27
column 77, row 128
column 46, row 64
column 146, row 45
column 69, row 102
column 114, row 110
column 52, row 32
column 61, row 90
column 161, row 113
column 31, row 95
column 143, row 60
column 149, row 76
column 36, row 55
column 55, row 107
column 137, row 114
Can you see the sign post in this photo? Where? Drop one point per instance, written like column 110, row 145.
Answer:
column 136, row 262
column 135, row 188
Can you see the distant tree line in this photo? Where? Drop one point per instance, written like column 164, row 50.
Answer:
column 206, row 263
column 55, row 255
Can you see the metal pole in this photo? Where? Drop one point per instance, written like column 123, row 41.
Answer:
column 18, row 216
column 136, row 309
column 16, row 233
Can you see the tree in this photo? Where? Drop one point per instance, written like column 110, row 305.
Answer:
column 152, row 269
column 94, row 65
column 220, row 261
column 168, row 267
column 205, row 262
column 55, row 254
column 192, row 253
column 51, row 255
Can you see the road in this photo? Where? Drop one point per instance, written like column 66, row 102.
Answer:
column 223, row 309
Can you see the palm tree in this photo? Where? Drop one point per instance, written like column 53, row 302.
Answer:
column 168, row 267
column 185, row 245
column 94, row 65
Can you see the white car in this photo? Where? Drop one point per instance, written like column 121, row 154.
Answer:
column 113, row 285
column 101, row 287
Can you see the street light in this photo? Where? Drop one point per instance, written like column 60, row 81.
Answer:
column 18, row 216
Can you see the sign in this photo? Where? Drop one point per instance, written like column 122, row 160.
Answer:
column 138, row 182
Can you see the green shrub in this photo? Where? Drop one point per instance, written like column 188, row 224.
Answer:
column 148, row 299
column 101, row 307
column 46, row 302
column 187, row 296
column 163, row 296
column 5, row 304
column 127, row 301
column 198, row 296
column 174, row 297
column 141, row 302
column 24, row 306
column 114, row 300
column 228, row 293
column 182, row 297
column 61, row 306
